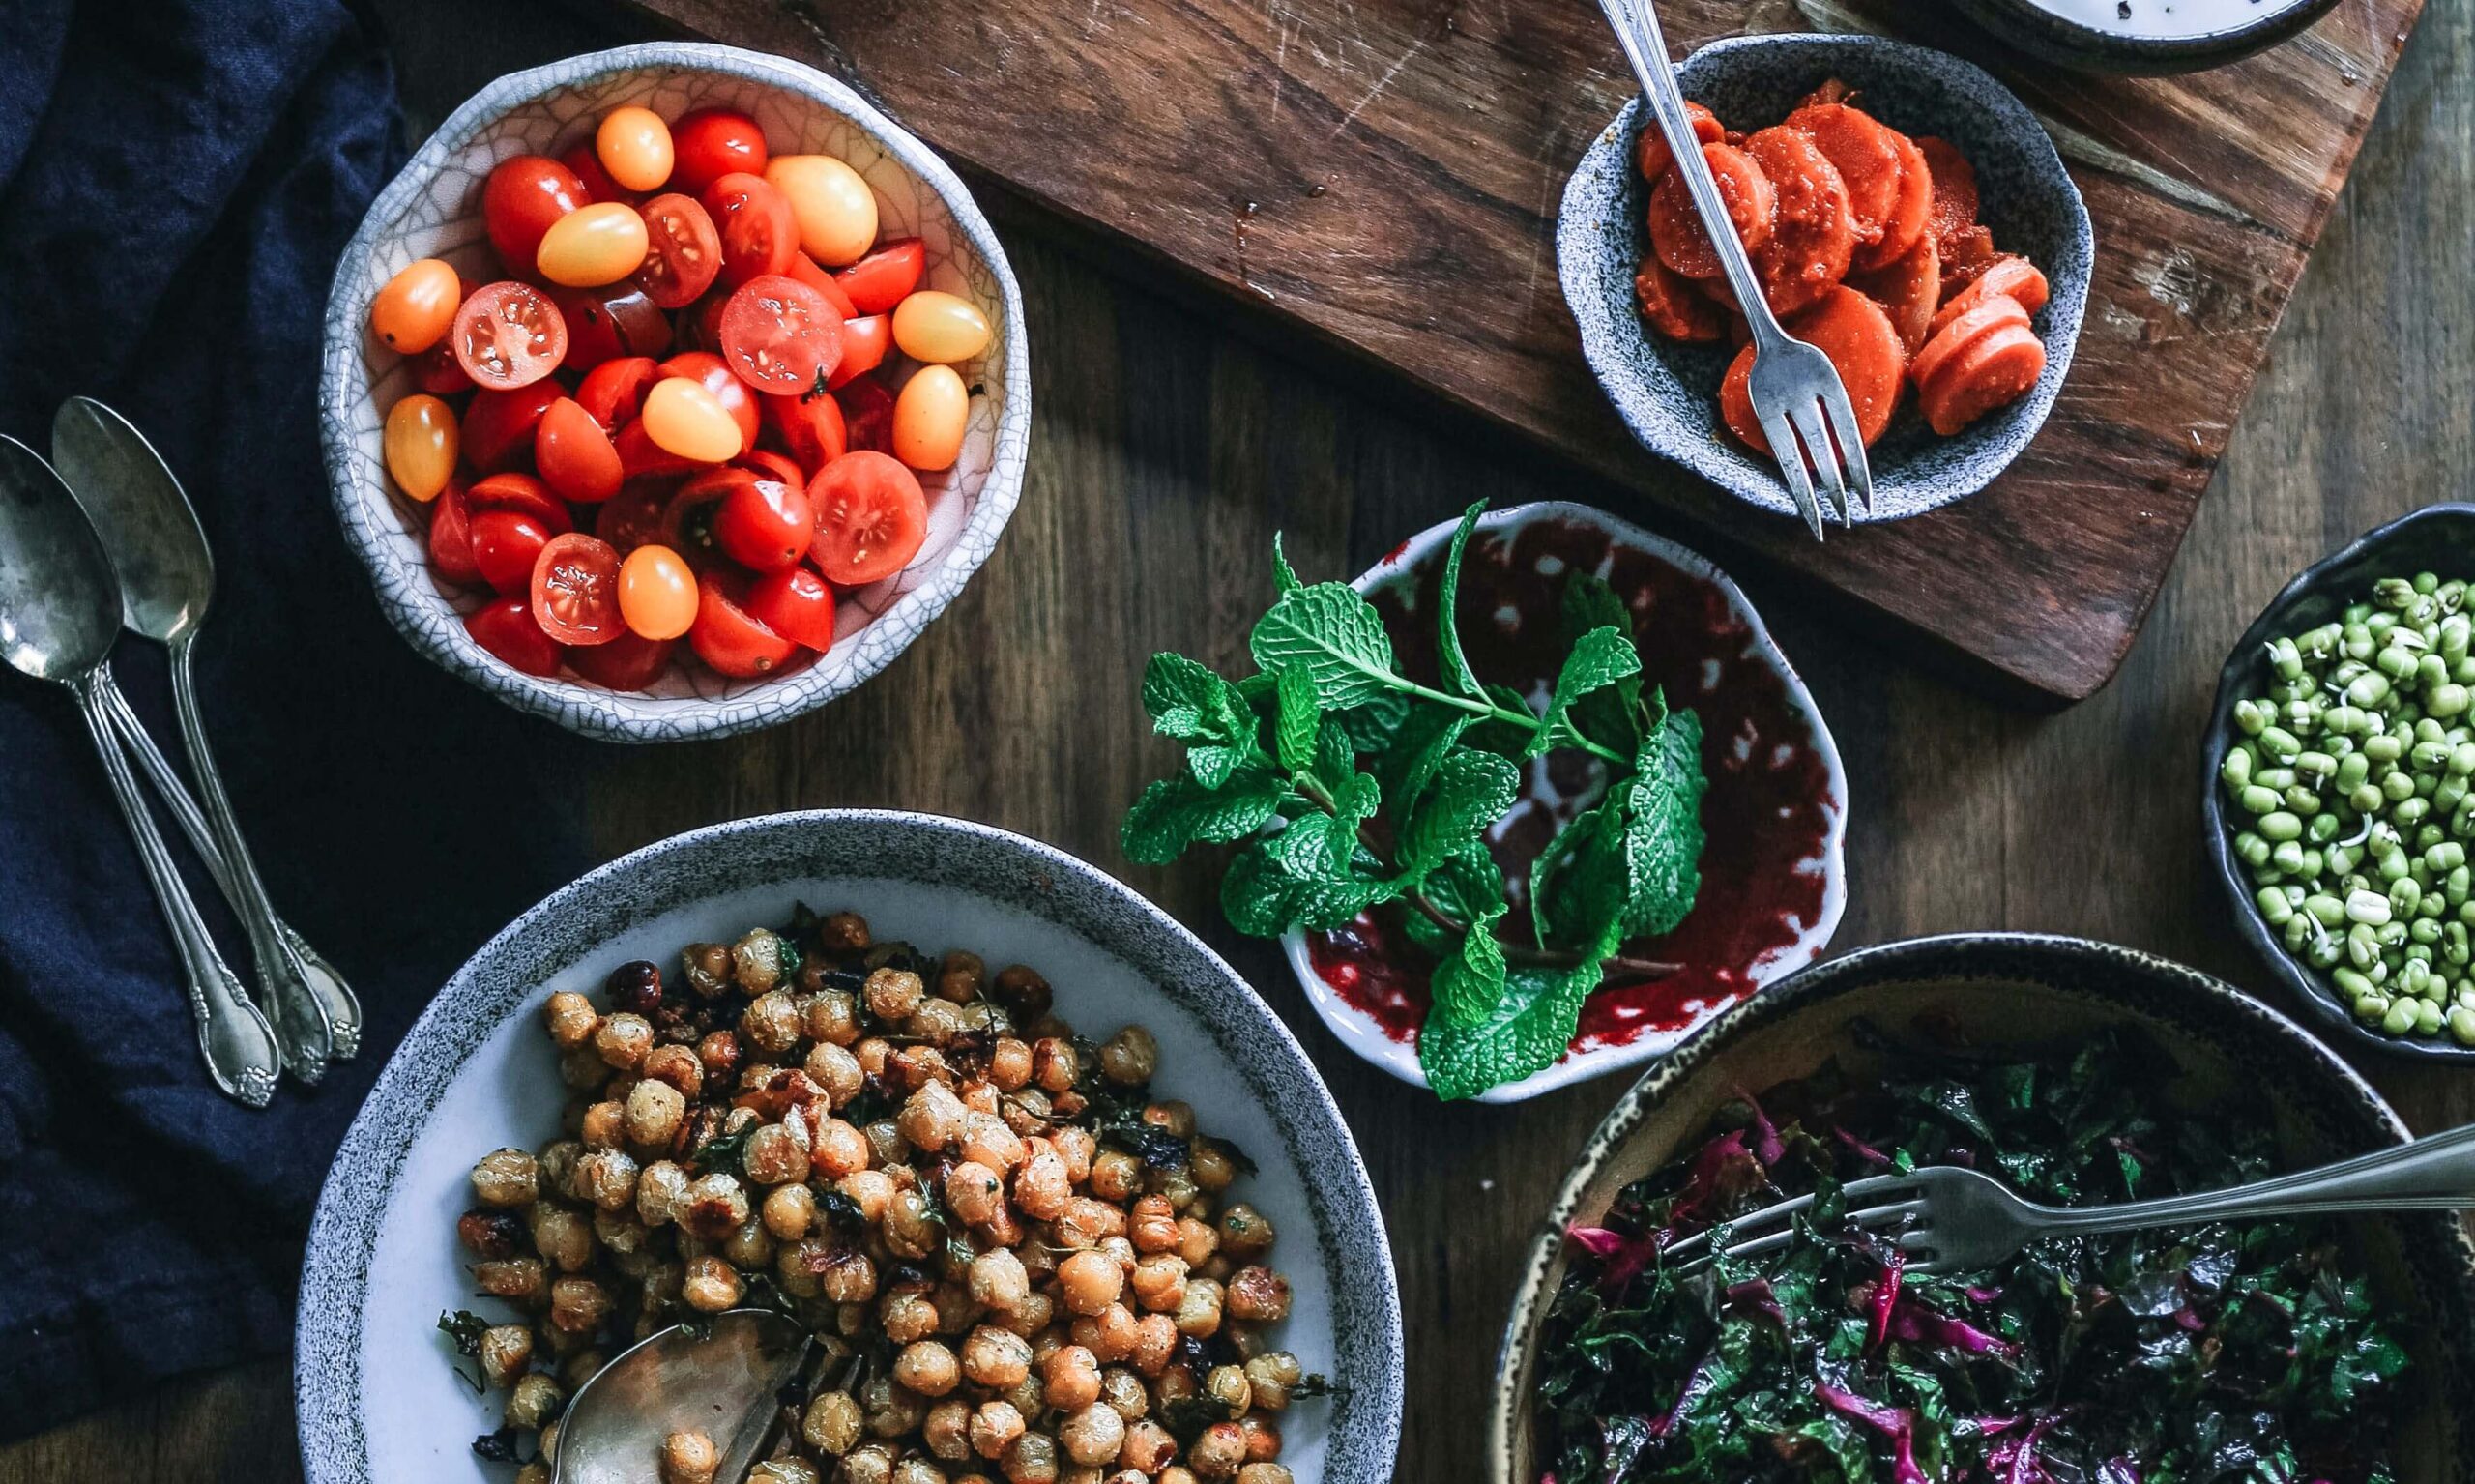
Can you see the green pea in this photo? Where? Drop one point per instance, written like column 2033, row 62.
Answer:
column 2324, row 828
column 2397, row 662
column 2280, row 826
column 2251, row 717
column 2399, row 1018
column 2353, row 769
column 2256, row 799
column 2287, row 856
column 2393, row 592
column 2251, row 850
column 2386, row 747
column 2369, row 689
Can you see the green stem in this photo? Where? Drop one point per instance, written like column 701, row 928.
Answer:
column 1490, row 709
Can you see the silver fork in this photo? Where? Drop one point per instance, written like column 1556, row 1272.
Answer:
column 1949, row 1219
column 1797, row 395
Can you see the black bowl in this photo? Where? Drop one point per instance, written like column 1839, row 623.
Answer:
column 2438, row 537
column 2073, row 43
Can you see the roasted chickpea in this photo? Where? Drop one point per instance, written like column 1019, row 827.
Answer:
column 570, row 1018
column 1093, row 1434
column 870, row 1463
column 785, row 1471
column 1076, row 1146
column 707, row 969
column 1041, row 1188
column 1147, row 1448
column 831, row 1423
column 1197, row 1241
column 1244, row 1234
column 910, row 1230
column 607, row 1178
column 1219, row 1452
column 788, row 1212
column 689, row 1458
column 1116, row 1176
column 891, row 1409
column 775, row 1155
column 1109, row 1334
column 1258, row 1296
column 679, row 1066
column 836, row 1071
column 507, row 1179
column 1229, row 1390
column 750, row 1247
column 994, row 1427
column 960, row 977
column 506, row 1351
column 1198, row 1315
column 1264, row 1474
column 1009, row 1063
column 893, row 994
column 998, row 1280
column 1024, row 994
column 1130, row 1058
column 1262, row 1438
column 934, row 1022
column 1031, row 1460
column 973, row 1193
column 713, row 1206
column 1071, row 1377
column 578, row 1305
column 1054, row 1064
column 710, row 1285
column 756, row 961
column 908, row 1316
column 622, row 1039
column 1089, row 1281
column 1271, row 1376
column 848, row 1277
column 845, row 932
column 535, row 1400
column 871, row 1191
column 520, row 1280
column 1125, row 1392
column 927, row 1367
column 1088, row 1223
column 996, row 1358
column 948, row 1430
column 832, row 1018
column 718, row 1052
column 1155, row 1344
column 563, row 1238
column 661, row 1192
column 1160, row 1282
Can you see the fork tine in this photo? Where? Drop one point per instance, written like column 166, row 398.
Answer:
column 1825, row 458
column 1869, row 1217
column 1851, row 444
column 1755, row 1222
column 1791, row 465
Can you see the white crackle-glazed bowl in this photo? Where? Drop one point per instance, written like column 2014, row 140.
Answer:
column 432, row 209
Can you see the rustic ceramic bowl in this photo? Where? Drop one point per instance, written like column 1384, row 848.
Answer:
column 2438, row 537
column 2015, row 989
column 1668, row 392
column 433, row 210
column 1750, row 751
column 2145, row 35
column 378, row 1399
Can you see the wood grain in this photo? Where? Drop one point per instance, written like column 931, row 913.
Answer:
column 1169, row 449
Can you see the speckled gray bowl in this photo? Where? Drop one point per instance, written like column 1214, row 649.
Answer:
column 433, row 210
column 377, row 1395
column 1668, row 392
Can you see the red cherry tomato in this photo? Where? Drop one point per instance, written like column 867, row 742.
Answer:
column 871, row 518
column 710, row 143
column 585, row 164
column 523, row 197
column 627, row 662
column 614, row 392
column 868, row 416
column 505, row 628
column 882, row 279
column 642, row 458
column 576, row 590
column 683, row 253
column 726, row 638
column 765, row 525
column 804, row 268
column 717, row 377
column 497, row 430
column 608, row 323
column 781, row 334
column 438, row 372
column 508, row 335
column 505, row 545
column 754, row 217
column 451, row 536
column 796, row 603
column 634, row 516
column 810, row 427
column 522, row 494
column 575, row 456
column 864, row 343
column 688, row 520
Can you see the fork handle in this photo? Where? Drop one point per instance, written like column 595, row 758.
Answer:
column 2434, row 1174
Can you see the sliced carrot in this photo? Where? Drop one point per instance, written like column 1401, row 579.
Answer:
column 1832, row 92
column 1908, row 291
column 2009, row 275
column 1955, row 198
column 1735, row 402
column 1676, row 233
column 1996, row 371
column 1965, row 254
column 1653, row 154
column 1866, row 156
column 1672, row 307
column 1997, row 313
column 1910, row 213
column 1865, row 348
column 1813, row 238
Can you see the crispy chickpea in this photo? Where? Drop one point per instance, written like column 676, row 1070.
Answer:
column 910, row 1230
column 1025, row 995
column 534, row 1472
column 1090, row 1281
column 1071, row 1377
column 1109, row 1334
column 871, row 1191
column 718, row 1054
column 607, row 1178
column 1031, row 1460
column 908, row 1316
column 1088, row 1223
column 563, row 1238
column 927, row 1367
column 1176, row 1473
column 845, row 932
column 570, row 1018
column 1076, row 1146
column 535, row 1400
column 1041, row 1188
column 581, row 1069
column 1155, row 1343
column 996, row 1358
column 960, row 977
column 623, row 1235
column 1198, row 1315
column 711, row 1285
column 934, row 1022
column 1116, row 1176
column 1009, row 1064
column 661, row 1190
column 784, row 1470
column 1124, row 1391
column 1197, row 1241
column 891, row 1409
column 948, row 1430
column 832, row 1424
column 1207, row 1161
column 1271, row 1376
column 788, row 1212
column 998, row 1280
column 893, row 994
column 756, row 961
column 622, row 1039
column 1093, row 1434
column 679, row 1066
column 1265, row 1472
column 974, row 1193
column 578, row 1305
column 1130, row 1058
column 1054, row 1064
column 1152, row 1225
column 1244, row 1234
column 750, row 1247
column 506, row 1351
column 849, row 1277
column 840, row 1150
column 689, row 1458
column 869, row 1464
column 521, row 1280
column 1262, row 1438
column 602, row 1125
column 1258, row 1296
column 507, row 1179
column 932, row 1118
column 556, row 1167
column 1219, row 1452
column 988, row 1140
column 836, row 1070
column 1160, row 1282
column 994, row 1427
column 1147, row 1447
column 1229, row 1390
column 775, row 1155
column 713, row 1206
column 707, row 967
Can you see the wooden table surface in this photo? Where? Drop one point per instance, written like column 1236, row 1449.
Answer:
column 1166, row 453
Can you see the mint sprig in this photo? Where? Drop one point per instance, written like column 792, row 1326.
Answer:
column 1352, row 786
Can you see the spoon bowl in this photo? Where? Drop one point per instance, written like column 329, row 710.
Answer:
column 58, row 615
column 722, row 1384
column 156, row 546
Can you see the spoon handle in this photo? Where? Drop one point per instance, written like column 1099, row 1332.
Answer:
column 302, row 1025
column 238, row 1046
column 343, row 1010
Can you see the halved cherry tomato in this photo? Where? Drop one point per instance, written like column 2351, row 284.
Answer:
column 688, row 520
column 871, row 518
column 868, row 416
column 765, row 525
column 586, row 166
column 505, row 628
column 450, row 538
column 864, row 343
column 634, row 518
column 524, row 196
column 809, row 427
column 614, row 392
column 627, row 662
column 609, row 323
column 642, row 458
column 781, row 334
column 504, row 544
column 575, row 456
column 508, row 335
column 754, row 219
column 524, row 495
column 710, row 143
column 684, row 252
column 438, row 372
column 879, row 281
column 770, row 464
column 717, row 378
column 796, row 603
column 804, row 268
column 576, row 590
column 498, row 428
column 726, row 638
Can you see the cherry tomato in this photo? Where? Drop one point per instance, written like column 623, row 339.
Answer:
column 414, row 311
column 508, row 335
column 710, row 143
column 575, row 456
column 725, row 637
column 870, row 518
column 626, row 663
column 796, row 603
column 614, row 392
column 576, row 590
column 772, row 465
column 634, row 146
column 505, row 545
column 642, row 458
column 498, row 426
column 868, row 416
column 450, row 538
column 765, row 525
column 832, row 207
column 688, row 520
column 438, row 372
column 421, row 444
column 586, row 166
column 864, row 343
column 610, row 322
column 781, row 334
column 524, row 196
column 717, row 378
column 930, row 418
column 592, row 245
column 940, row 328
column 523, row 495
column 634, row 516
column 754, row 219
column 657, row 593
column 804, row 268
column 880, row 281
column 680, row 416
column 809, row 427
column 684, row 253
column 505, row 628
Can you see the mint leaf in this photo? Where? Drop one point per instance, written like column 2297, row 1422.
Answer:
column 1599, row 659
column 1580, row 902
column 1613, row 716
column 1468, row 887
column 1335, row 634
column 1284, row 576
column 1472, row 790
column 1454, row 664
column 1468, row 985
column 1418, row 748
column 1502, row 738
column 1663, row 838
column 1372, row 725
column 1301, row 718
column 1189, row 702
column 1531, row 1024
column 1265, row 891
column 1547, row 865
column 1174, row 813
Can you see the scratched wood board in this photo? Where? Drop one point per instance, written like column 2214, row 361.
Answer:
column 1383, row 174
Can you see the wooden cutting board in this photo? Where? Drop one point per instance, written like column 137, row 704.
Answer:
column 1383, row 175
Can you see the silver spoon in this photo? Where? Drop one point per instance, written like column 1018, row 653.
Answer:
column 167, row 581
column 723, row 1386
column 59, row 614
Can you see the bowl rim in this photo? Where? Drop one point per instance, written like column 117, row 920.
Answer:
column 1357, row 1032
column 344, row 1228
column 1578, row 246
column 2027, row 24
column 403, row 590
column 2240, row 673
column 1882, row 963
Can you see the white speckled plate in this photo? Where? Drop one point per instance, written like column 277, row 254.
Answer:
column 433, row 210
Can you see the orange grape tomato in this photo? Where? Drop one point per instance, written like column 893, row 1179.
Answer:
column 576, row 590
column 508, row 335
column 715, row 375
column 929, row 418
column 634, row 145
column 505, row 628
column 682, row 417
column 780, row 335
column 871, row 518
column 727, row 638
column 594, row 244
column 939, row 326
column 864, row 343
column 628, row 662
column 413, row 312
column 887, row 275
column 710, row 143
column 656, row 592
column 832, row 206
column 421, row 443
column 796, row 603
column 683, row 252
column 575, row 456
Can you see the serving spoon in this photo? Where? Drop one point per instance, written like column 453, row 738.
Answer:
column 59, row 616
column 723, row 1383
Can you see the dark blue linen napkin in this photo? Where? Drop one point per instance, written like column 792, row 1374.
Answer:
column 177, row 177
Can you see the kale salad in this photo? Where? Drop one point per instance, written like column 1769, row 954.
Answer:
column 2250, row 1353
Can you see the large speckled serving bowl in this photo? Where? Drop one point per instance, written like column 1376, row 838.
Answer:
column 2007, row 989
column 433, row 210
column 1667, row 392
column 378, row 1399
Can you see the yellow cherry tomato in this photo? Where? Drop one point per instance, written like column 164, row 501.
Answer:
column 940, row 328
column 834, row 207
column 656, row 592
column 592, row 245
column 634, row 146
column 680, row 416
column 928, row 419
column 413, row 312
column 421, row 444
